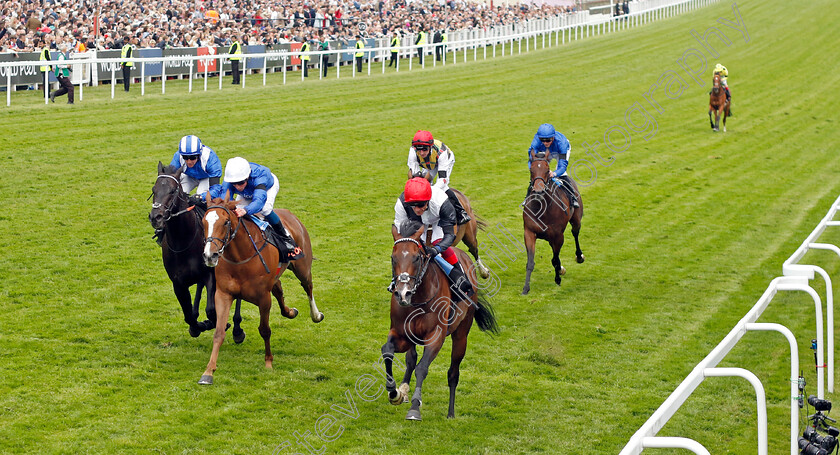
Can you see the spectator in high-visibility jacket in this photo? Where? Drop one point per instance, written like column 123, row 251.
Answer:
column 420, row 41
column 304, row 57
column 395, row 51
column 44, row 55
column 127, row 53
column 360, row 53
column 236, row 51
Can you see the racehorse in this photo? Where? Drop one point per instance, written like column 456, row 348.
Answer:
column 469, row 234
column 546, row 212
column 182, row 246
column 250, row 269
column 423, row 313
column 718, row 104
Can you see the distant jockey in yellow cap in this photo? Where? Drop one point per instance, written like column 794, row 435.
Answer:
column 724, row 73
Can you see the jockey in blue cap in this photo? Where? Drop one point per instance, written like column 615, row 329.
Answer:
column 555, row 145
column 204, row 169
column 256, row 187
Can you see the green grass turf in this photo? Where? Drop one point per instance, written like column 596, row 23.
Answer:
column 682, row 234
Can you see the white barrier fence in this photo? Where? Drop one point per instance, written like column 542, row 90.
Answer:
column 795, row 277
column 558, row 29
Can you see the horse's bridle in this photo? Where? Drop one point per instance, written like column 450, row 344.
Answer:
column 405, row 277
column 180, row 196
column 229, row 236
column 545, row 182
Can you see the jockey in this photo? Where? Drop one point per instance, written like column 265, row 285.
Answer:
column 256, row 187
column 204, row 169
column 724, row 73
column 430, row 205
column 555, row 145
column 430, row 158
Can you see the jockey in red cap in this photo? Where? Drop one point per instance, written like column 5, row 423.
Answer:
column 430, row 158
column 420, row 202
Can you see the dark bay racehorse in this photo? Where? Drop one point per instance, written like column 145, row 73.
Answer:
column 469, row 234
column 250, row 269
column 718, row 104
column 423, row 313
column 546, row 212
column 182, row 248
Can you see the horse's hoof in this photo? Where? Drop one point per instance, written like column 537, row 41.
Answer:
column 292, row 314
column 238, row 336
column 318, row 317
column 557, row 280
column 450, row 416
column 404, row 389
column 580, row 259
column 397, row 400
column 413, row 414
column 525, row 291
column 195, row 331
column 562, row 270
column 484, row 272
column 206, row 379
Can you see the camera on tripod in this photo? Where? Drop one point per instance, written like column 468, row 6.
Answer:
column 812, row 442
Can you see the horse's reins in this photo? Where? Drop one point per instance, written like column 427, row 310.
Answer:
column 230, row 236
column 405, row 277
column 168, row 215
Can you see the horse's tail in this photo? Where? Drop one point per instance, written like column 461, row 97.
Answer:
column 480, row 222
column 485, row 315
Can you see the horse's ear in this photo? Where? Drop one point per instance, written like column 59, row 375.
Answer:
column 160, row 168
column 395, row 232
column 207, row 197
column 180, row 171
column 533, row 154
column 227, row 195
column 419, row 233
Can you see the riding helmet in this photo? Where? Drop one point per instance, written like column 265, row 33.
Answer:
column 190, row 145
column 237, row 170
column 417, row 189
column 545, row 130
column 422, row 137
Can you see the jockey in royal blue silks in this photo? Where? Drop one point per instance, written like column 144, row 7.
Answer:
column 204, row 169
column 256, row 189
column 555, row 145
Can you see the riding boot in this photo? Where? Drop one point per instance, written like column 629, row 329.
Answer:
column 461, row 286
column 461, row 214
column 293, row 252
column 569, row 190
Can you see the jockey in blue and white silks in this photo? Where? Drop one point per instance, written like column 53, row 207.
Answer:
column 204, row 169
column 555, row 145
column 255, row 187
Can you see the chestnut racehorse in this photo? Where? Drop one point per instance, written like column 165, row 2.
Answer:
column 182, row 246
column 718, row 104
column 250, row 269
column 423, row 313
column 545, row 213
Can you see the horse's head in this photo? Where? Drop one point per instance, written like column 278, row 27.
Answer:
column 539, row 171
column 219, row 228
column 716, row 82
column 168, row 195
column 408, row 261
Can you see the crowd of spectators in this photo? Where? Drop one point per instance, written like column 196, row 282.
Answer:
column 25, row 25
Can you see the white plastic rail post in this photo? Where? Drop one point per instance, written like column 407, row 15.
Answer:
column 663, row 442
column 794, row 377
column 759, row 397
column 800, row 283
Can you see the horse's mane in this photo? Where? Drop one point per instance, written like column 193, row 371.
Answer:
column 409, row 227
column 230, row 204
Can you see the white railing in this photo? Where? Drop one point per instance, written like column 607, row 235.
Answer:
column 796, row 278
column 542, row 32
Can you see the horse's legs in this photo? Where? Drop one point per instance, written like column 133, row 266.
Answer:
column 471, row 240
column 575, row 221
column 530, row 245
column 277, row 291
column 710, row 118
column 725, row 113
column 182, row 292
column 238, row 333
column 459, row 348
column 265, row 329
column 223, row 302
column 430, row 351
column 559, row 270
column 305, row 278
column 388, row 356
column 410, row 365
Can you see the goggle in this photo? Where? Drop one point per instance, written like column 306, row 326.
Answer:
column 418, row 203
column 239, row 183
column 546, row 140
column 190, row 157
column 422, row 148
